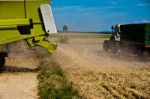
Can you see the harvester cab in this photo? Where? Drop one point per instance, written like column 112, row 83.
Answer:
column 30, row 20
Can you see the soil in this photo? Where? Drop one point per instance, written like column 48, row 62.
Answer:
column 100, row 75
column 18, row 78
column 95, row 73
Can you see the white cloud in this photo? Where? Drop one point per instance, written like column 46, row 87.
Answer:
column 145, row 21
column 141, row 21
column 66, row 8
column 102, row 8
column 113, row 3
column 105, row 7
column 113, row 6
column 143, row 4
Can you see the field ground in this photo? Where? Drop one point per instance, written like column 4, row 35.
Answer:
column 18, row 80
column 97, row 74
column 18, row 86
column 80, row 35
column 94, row 73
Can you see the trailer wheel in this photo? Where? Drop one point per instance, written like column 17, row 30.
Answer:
column 106, row 45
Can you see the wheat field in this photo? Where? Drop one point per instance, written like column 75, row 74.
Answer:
column 100, row 75
column 93, row 72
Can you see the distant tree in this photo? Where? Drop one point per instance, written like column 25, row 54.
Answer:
column 65, row 28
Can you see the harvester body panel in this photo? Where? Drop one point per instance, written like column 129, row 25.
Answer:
column 48, row 19
column 20, row 13
column 26, row 20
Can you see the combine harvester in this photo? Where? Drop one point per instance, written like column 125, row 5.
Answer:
column 129, row 38
column 29, row 20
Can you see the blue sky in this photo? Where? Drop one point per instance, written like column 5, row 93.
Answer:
column 99, row 15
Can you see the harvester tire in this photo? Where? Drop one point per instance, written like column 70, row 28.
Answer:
column 2, row 62
column 106, row 45
column 2, row 59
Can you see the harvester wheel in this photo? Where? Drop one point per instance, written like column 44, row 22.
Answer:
column 2, row 59
column 2, row 62
column 106, row 45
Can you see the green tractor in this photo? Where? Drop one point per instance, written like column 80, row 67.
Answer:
column 29, row 20
column 129, row 38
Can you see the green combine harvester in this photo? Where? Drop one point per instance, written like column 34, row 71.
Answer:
column 127, row 38
column 29, row 20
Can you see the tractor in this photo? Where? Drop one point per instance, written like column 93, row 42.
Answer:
column 127, row 38
column 29, row 20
